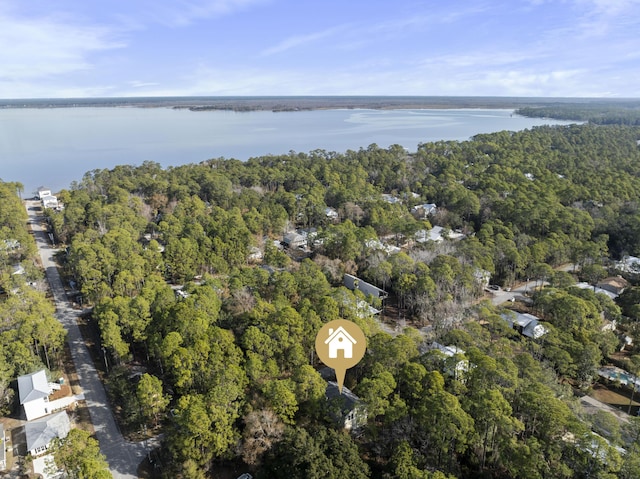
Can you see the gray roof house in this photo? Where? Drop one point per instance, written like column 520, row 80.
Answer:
column 526, row 324
column 41, row 432
column 34, row 390
column 353, row 283
column 345, row 408
column 424, row 210
column 294, row 240
column 456, row 367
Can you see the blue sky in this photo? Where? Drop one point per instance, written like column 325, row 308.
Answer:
column 95, row 48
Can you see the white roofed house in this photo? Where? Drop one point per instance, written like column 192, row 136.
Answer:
column 50, row 201
column 526, row 324
column 331, row 213
column 422, row 211
column 34, row 391
column 458, row 365
column 42, row 192
column 41, row 432
column 437, row 234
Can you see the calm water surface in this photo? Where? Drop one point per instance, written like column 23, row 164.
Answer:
column 54, row 147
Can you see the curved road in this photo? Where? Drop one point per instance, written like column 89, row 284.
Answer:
column 123, row 456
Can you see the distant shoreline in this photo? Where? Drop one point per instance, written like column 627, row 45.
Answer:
column 306, row 103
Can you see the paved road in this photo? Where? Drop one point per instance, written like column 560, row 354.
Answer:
column 123, row 456
column 518, row 293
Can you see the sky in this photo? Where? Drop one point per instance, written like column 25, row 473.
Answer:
column 116, row 48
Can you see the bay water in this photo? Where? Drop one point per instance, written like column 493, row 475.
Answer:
column 53, row 147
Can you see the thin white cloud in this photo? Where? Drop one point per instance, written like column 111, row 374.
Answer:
column 184, row 12
column 43, row 47
column 299, row 40
column 142, row 84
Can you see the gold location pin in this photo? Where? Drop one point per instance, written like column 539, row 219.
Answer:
column 340, row 344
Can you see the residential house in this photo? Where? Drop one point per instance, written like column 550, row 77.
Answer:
column 424, row 210
column 596, row 289
column 345, row 408
column 375, row 244
column 50, row 201
column 38, row 395
column 365, row 310
column 42, row 192
column 391, row 199
column 10, row 244
column 41, row 432
column 331, row 213
column 255, row 254
column 18, row 269
column 353, row 283
column 614, row 284
column 459, row 366
column 34, row 391
column 482, row 276
column 294, row 240
column 629, row 264
column 437, row 234
column 526, row 324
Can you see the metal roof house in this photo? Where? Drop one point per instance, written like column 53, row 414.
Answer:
column 526, row 324
column 34, row 391
column 41, row 432
column 353, row 283
column 43, row 191
column 294, row 240
column 345, row 408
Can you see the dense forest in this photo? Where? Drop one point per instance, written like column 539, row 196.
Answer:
column 617, row 112
column 187, row 278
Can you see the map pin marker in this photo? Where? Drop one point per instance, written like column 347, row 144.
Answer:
column 340, row 344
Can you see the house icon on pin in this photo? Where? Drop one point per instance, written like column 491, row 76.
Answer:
column 340, row 340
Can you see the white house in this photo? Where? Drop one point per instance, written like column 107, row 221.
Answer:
column 294, row 240
column 34, row 391
column 437, row 234
column 50, row 201
column 459, row 366
column 41, row 432
column 526, row 324
column 331, row 213
column 629, row 264
column 42, row 192
column 424, row 210
column 391, row 199
column 340, row 340
column 377, row 245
